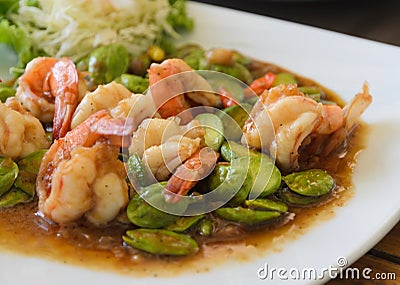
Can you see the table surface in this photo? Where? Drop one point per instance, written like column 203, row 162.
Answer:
column 375, row 20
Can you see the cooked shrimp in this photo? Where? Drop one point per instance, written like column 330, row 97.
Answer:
column 138, row 107
column 260, row 127
column 163, row 159
column 273, row 95
column 77, row 172
column 354, row 109
column 351, row 114
column 186, row 176
column 289, row 138
column 294, row 117
column 332, row 120
column 104, row 97
column 33, row 93
column 50, row 89
column 169, row 95
column 118, row 100
column 153, row 132
column 22, row 133
column 91, row 183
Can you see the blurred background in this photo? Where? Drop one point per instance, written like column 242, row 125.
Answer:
column 377, row 20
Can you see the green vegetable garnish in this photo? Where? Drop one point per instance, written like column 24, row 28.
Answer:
column 136, row 170
column 135, row 83
column 16, row 38
column 313, row 182
column 206, row 228
column 214, row 130
column 295, row 199
column 6, row 92
column 107, row 63
column 246, row 216
column 13, row 197
column 284, row 78
column 267, row 204
column 161, row 242
column 184, row 223
column 144, row 215
column 233, row 119
column 8, row 173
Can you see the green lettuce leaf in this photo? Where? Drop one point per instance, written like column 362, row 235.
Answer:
column 178, row 17
column 19, row 41
column 5, row 5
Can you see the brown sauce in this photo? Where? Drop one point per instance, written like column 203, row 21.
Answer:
column 24, row 232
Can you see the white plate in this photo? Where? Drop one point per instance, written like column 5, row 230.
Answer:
column 337, row 61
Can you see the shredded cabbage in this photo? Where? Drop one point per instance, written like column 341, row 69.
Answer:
column 74, row 28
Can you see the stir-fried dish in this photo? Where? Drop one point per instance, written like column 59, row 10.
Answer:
column 168, row 150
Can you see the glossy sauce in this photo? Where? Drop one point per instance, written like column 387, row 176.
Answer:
column 24, row 232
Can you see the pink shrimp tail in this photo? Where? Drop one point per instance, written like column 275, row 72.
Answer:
column 64, row 88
